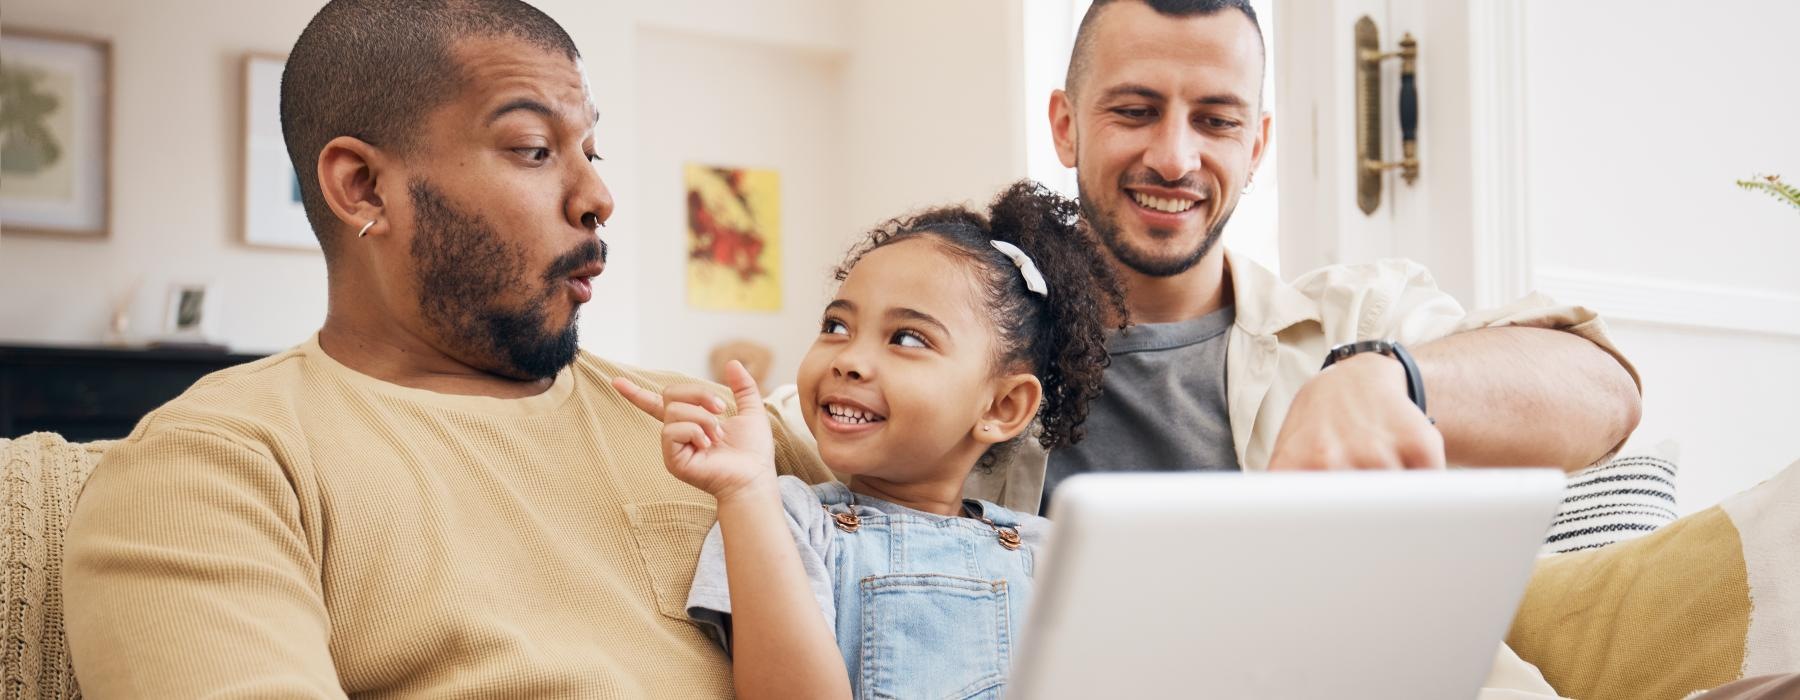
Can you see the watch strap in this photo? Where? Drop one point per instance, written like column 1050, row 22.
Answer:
column 1415, row 383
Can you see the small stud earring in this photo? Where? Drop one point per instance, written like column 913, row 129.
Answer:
column 365, row 229
column 987, row 428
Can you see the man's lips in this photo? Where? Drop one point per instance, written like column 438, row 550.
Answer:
column 582, row 288
column 1165, row 201
column 581, row 281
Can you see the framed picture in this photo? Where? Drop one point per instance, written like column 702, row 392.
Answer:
column 273, row 213
column 189, row 317
column 55, row 133
column 734, row 238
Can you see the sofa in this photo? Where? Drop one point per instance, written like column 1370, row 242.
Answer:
column 1713, row 599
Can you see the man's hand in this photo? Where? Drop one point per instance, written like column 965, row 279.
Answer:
column 1356, row 415
column 721, row 457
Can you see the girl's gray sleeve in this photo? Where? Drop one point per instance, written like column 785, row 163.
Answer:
column 709, row 598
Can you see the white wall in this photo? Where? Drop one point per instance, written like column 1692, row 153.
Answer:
column 1638, row 118
column 707, row 97
column 933, row 90
column 911, row 105
column 176, row 157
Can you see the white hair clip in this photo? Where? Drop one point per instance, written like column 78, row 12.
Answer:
column 1034, row 279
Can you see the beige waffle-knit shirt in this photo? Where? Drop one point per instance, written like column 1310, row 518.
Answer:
column 292, row 528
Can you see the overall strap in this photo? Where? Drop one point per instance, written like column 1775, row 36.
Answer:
column 1004, row 522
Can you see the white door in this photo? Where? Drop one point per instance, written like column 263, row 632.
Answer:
column 1454, row 217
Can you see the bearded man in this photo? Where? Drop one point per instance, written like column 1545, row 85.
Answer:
column 439, row 494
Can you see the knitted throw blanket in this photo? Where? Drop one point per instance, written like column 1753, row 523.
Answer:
column 42, row 476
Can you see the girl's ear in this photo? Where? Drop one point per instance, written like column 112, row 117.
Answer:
column 1015, row 404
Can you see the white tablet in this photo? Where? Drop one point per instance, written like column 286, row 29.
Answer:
column 1296, row 585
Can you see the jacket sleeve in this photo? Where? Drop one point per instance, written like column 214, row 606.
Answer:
column 190, row 573
column 1399, row 299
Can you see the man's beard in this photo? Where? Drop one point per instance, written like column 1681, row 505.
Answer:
column 465, row 268
column 1107, row 227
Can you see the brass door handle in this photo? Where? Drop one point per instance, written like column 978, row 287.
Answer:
column 1370, row 165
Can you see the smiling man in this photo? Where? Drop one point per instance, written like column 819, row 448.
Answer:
column 1163, row 119
column 439, row 495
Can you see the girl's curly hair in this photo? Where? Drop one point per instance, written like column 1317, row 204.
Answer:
column 1061, row 336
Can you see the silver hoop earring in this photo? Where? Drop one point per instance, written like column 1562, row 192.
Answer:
column 365, row 229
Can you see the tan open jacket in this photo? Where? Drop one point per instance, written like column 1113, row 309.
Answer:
column 1280, row 337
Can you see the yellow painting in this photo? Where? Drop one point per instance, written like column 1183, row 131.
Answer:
column 734, row 238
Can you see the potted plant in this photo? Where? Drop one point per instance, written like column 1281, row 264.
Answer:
column 1773, row 185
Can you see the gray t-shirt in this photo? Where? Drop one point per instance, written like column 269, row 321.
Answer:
column 1162, row 407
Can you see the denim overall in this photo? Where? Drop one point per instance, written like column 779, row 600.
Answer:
column 928, row 606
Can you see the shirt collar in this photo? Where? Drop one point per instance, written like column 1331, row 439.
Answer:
column 1265, row 304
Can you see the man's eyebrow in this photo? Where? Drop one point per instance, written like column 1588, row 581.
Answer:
column 1223, row 100
column 526, row 104
column 1135, row 90
column 1131, row 90
column 523, row 104
column 919, row 316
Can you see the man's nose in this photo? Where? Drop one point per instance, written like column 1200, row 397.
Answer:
column 590, row 202
column 1175, row 152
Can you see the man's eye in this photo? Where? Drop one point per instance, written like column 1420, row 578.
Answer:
column 594, row 158
column 908, row 339
column 1135, row 112
column 833, row 326
column 535, row 155
column 1221, row 124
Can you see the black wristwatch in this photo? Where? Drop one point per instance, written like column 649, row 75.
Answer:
column 1415, row 386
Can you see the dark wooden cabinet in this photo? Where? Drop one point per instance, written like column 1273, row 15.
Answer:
column 95, row 393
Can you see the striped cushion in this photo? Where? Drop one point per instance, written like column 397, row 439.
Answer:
column 1623, row 498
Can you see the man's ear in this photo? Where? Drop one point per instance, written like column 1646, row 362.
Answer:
column 1263, row 136
column 350, row 171
column 1015, row 404
column 1062, row 126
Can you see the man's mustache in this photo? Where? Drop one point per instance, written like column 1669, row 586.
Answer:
column 589, row 252
column 1188, row 183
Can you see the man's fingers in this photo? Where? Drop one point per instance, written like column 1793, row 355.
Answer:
column 688, row 413
column 1425, row 450
column 1320, row 456
column 743, row 388
column 646, row 401
column 696, row 394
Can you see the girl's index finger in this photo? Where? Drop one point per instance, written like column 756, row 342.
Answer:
column 646, row 401
column 696, row 394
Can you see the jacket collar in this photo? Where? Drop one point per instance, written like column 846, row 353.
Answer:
column 1265, row 304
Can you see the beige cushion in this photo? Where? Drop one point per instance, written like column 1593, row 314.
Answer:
column 1712, row 598
column 43, row 475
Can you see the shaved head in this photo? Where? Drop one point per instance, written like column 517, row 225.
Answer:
column 373, row 70
column 1084, row 36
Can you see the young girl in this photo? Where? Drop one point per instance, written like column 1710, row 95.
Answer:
column 951, row 335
